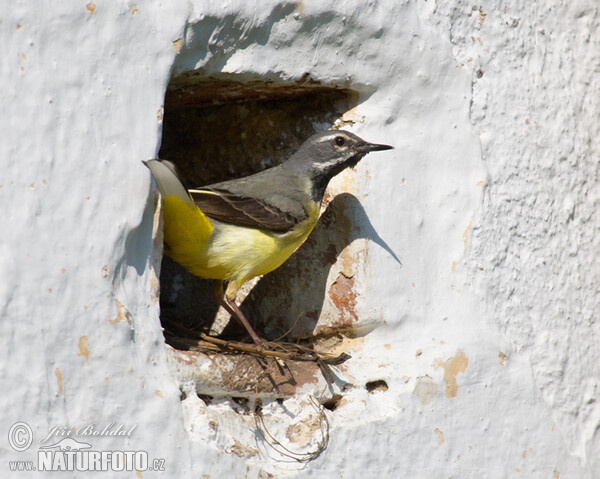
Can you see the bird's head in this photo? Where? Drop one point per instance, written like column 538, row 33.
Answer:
column 328, row 153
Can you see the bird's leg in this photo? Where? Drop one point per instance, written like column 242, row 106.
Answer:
column 217, row 292
column 227, row 300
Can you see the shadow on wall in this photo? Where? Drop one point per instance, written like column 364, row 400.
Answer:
column 291, row 297
column 216, row 38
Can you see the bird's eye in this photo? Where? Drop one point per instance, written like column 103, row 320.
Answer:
column 340, row 141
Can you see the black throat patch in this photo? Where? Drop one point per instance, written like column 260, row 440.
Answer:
column 320, row 179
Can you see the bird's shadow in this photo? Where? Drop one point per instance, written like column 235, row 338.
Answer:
column 287, row 300
column 290, row 299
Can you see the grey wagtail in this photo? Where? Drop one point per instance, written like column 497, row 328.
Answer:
column 238, row 229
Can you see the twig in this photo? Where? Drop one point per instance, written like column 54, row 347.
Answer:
column 259, row 422
column 293, row 352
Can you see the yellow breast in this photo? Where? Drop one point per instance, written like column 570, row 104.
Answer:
column 213, row 249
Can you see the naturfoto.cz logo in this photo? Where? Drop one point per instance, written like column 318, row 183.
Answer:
column 69, row 454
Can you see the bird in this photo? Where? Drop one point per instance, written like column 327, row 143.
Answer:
column 235, row 230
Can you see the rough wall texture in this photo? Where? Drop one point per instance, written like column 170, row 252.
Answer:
column 486, row 338
column 535, row 109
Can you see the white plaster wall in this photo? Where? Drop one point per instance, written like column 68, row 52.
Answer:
column 490, row 199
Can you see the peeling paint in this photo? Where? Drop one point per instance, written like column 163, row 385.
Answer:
column 502, row 357
column 350, row 118
column 527, row 451
column 344, row 298
column 154, row 286
column 347, row 262
column 338, row 343
column 456, row 364
column 243, row 451
column 59, row 380
column 345, row 182
column 466, row 234
column 482, row 16
column 440, row 436
column 301, row 433
column 178, row 44
column 122, row 313
column 84, row 350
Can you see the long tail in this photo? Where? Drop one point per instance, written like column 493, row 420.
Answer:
column 167, row 179
column 186, row 227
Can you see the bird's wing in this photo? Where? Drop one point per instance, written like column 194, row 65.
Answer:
column 242, row 210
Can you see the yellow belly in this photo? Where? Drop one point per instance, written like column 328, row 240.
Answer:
column 212, row 249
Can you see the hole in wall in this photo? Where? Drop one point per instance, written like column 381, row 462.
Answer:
column 333, row 403
column 220, row 128
column 377, row 385
column 206, row 399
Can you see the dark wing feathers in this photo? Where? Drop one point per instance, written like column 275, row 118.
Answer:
column 241, row 210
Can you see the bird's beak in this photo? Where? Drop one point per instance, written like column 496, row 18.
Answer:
column 368, row 147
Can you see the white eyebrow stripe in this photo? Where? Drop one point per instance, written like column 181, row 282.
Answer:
column 325, row 166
